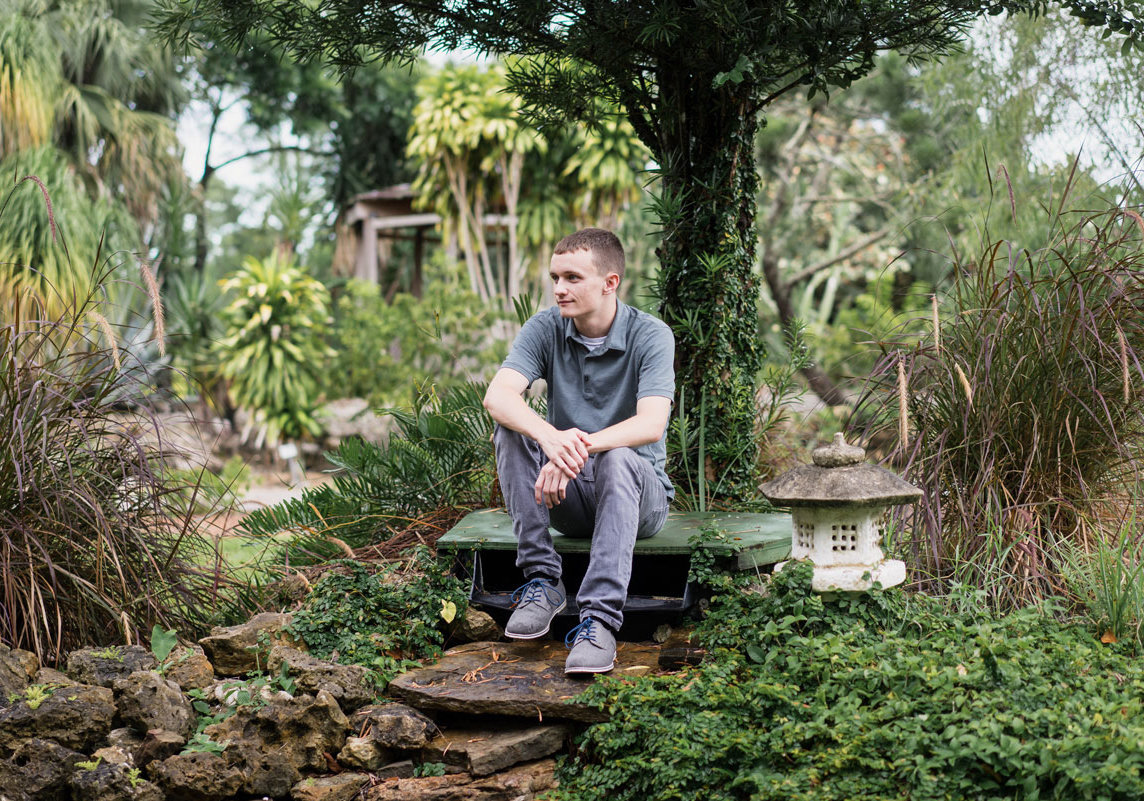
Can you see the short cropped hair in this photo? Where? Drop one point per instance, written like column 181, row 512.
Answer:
column 607, row 252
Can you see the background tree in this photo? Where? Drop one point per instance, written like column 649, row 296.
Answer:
column 692, row 79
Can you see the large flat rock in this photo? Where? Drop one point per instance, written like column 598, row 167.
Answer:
column 480, row 752
column 514, row 678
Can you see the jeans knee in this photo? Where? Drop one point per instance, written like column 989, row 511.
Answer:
column 617, row 461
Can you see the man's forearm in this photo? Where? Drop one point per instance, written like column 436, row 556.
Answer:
column 509, row 409
column 644, row 427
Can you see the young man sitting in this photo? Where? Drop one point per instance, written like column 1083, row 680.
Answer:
column 595, row 467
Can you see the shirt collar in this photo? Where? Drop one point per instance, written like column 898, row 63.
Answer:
column 617, row 334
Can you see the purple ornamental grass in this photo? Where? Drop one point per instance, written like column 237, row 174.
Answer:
column 1025, row 409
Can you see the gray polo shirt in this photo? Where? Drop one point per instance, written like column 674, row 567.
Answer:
column 591, row 390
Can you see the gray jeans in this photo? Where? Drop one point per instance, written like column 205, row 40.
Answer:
column 615, row 500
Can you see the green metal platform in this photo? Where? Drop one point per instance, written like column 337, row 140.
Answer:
column 484, row 550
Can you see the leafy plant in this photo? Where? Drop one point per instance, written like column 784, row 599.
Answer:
column 162, row 642
column 33, row 695
column 272, row 349
column 881, row 696
column 438, row 456
column 387, row 348
column 384, row 620
column 1023, row 413
column 429, row 769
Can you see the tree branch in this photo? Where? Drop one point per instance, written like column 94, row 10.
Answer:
column 273, row 149
column 826, row 264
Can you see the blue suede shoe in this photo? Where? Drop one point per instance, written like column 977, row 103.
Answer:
column 535, row 603
column 593, row 648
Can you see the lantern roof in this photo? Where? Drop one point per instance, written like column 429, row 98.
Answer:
column 840, row 476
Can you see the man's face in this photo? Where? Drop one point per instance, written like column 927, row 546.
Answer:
column 577, row 285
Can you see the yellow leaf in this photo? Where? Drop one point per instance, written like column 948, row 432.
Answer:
column 448, row 610
column 1108, row 637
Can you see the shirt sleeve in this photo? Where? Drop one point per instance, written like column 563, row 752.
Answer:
column 531, row 349
column 657, row 365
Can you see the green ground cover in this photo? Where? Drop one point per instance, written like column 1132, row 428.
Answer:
column 889, row 696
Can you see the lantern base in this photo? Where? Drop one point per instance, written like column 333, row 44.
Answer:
column 855, row 578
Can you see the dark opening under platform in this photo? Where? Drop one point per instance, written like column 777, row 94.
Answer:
column 484, row 551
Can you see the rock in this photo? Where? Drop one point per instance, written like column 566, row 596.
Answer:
column 102, row 666
column 17, row 670
column 350, row 417
column 305, row 729
column 196, row 777
column 236, row 650
column 343, row 787
column 521, row 783
column 38, row 769
column 396, row 770
column 190, row 669
column 475, row 626
column 157, row 745
column 364, row 753
column 679, row 651
column 48, row 675
column 126, row 738
column 114, row 755
column 394, row 726
column 348, row 684
column 266, row 773
column 109, row 781
column 484, row 751
column 148, row 701
column 77, row 717
column 524, row 678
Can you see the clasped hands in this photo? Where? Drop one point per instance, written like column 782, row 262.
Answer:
column 567, row 452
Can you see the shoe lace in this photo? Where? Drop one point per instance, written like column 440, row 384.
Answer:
column 585, row 631
column 534, row 591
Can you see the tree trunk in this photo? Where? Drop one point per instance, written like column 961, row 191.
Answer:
column 709, row 290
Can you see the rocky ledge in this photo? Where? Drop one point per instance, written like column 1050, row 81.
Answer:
column 483, row 723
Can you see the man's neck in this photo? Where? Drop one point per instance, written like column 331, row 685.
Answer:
column 600, row 324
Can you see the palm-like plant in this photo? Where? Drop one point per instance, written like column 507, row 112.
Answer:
column 87, row 100
column 272, row 348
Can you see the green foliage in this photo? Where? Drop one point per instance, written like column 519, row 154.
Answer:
column 385, row 351
column 33, row 695
column 162, row 641
column 429, row 769
column 50, row 247
column 439, row 455
column 384, row 620
column 882, row 696
column 1109, row 584
column 272, row 349
column 1024, row 415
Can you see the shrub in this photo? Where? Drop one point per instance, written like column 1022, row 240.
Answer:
column 385, row 349
column 93, row 547
column 272, row 350
column 385, row 619
column 885, row 697
column 439, row 456
column 1025, row 410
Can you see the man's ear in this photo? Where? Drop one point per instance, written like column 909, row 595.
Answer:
column 611, row 282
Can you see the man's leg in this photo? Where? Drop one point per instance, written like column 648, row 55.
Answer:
column 519, row 460
column 542, row 596
column 630, row 503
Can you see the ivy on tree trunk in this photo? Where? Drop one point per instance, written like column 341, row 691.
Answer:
column 707, row 285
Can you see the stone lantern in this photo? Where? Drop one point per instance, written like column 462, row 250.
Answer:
column 838, row 507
